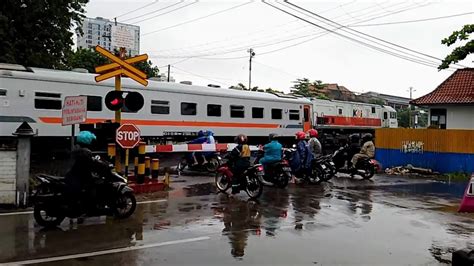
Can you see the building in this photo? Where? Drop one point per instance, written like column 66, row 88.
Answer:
column 451, row 104
column 396, row 102
column 110, row 35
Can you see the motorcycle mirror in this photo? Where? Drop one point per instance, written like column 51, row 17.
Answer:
column 97, row 157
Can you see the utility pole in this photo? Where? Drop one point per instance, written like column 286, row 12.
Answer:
column 169, row 70
column 252, row 54
column 409, row 107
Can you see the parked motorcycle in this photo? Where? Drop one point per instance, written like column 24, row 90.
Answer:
column 313, row 176
column 276, row 174
column 213, row 161
column 365, row 167
column 251, row 181
column 52, row 204
column 323, row 167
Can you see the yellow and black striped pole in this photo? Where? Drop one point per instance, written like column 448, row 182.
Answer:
column 141, row 163
column 135, row 166
column 147, row 166
column 155, row 165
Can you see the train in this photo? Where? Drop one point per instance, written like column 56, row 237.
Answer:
column 36, row 95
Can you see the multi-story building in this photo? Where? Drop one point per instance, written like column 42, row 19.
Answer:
column 110, row 35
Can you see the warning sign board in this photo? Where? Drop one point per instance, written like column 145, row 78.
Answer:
column 74, row 110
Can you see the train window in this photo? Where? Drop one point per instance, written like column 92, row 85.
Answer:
column 294, row 114
column 373, row 110
column 339, row 111
column 237, row 111
column 306, row 114
column 3, row 92
column 277, row 113
column 188, row 108
column 257, row 112
column 160, row 107
column 47, row 100
column 385, row 116
column 393, row 115
column 213, row 110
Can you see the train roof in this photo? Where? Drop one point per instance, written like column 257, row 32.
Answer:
column 351, row 102
column 88, row 78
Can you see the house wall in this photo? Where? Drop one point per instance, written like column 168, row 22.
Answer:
column 458, row 116
column 441, row 150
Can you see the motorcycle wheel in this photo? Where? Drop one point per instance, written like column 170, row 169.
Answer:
column 369, row 172
column 43, row 219
column 223, row 182
column 317, row 176
column 284, row 179
column 125, row 205
column 213, row 165
column 254, row 187
column 181, row 165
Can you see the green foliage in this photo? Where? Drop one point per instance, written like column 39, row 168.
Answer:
column 37, row 32
column 377, row 101
column 403, row 118
column 148, row 69
column 270, row 90
column 308, row 89
column 461, row 52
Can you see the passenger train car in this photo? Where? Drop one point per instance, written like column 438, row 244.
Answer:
column 36, row 96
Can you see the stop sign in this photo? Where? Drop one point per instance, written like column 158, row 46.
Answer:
column 128, row 136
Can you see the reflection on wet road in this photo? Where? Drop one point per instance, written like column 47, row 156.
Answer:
column 379, row 222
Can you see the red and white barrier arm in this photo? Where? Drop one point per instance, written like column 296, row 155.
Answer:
column 193, row 147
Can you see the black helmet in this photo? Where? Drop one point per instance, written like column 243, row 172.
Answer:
column 367, row 137
column 355, row 138
column 240, row 139
column 272, row 136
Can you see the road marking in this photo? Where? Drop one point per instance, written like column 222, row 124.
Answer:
column 152, row 201
column 106, row 252
column 31, row 212
column 15, row 213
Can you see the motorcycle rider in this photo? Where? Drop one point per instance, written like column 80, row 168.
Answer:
column 302, row 160
column 201, row 138
column 240, row 158
column 367, row 150
column 272, row 151
column 314, row 144
column 80, row 177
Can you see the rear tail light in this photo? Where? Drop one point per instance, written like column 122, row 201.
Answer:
column 260, row 168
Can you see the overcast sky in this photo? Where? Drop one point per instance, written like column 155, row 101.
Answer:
column 213, row 49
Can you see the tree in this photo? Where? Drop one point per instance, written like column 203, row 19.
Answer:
column 38, row 32
column 403, row 117
column 302, row 87
column 270, row 90
column 89, row 59
column 461, row 52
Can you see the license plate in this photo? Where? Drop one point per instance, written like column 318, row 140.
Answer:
column 286, row 169
column 323, row 166
column 331, row 163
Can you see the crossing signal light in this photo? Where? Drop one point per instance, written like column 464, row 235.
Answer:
column 132, row 102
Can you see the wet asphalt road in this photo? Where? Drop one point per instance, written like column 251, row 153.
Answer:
column 388, row 221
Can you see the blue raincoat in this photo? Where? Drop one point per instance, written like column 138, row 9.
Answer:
column 272, row 152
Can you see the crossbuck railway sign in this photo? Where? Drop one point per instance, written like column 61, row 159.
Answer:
column 120, row 67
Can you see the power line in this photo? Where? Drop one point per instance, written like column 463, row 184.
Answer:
column 365, row 34
column 171, row 11
column 196, row 19
column 142, row 7
column 317, row 35
column 411, row 21
column 272, row 42
column 200, row 76
column 154, row 11
column 352, row 39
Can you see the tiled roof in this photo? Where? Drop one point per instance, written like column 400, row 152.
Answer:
column 457, row 89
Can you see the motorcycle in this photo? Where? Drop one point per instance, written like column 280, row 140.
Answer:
column 365, row 167
column 323, row 167
column 52, row 205
column 276, row 174
column 314, row 177
column 213, row 161
column 252, row 179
